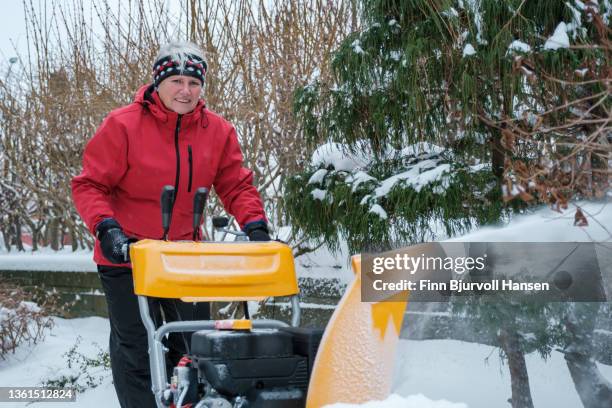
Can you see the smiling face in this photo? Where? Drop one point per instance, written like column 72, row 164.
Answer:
column 180, row 93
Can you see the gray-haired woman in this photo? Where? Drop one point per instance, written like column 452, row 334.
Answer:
column 166, row 136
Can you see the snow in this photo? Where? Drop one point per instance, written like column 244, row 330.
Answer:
column 607, row 5
column 478, row 167
column 430, row 176
column 31, row 365
column 559, row 39
column 546, row 225
column 473, row 374
column 318, row 176
column 475, row 7
column 420, row 175
column 6, row 313
column 396, row 401
column 359, row 178
column 575, row 12
column 395, row 55
column 339, row 157
column 421, row 148
column 378, row 210
column 579, row 4
column 48, row 260
column 520, row 46
column 318, row 194
column 357, row 47
column 451, row 12
column 576, row 25
column 322, row 264
column 468, row 50
column 428, row 374
column 314, row 75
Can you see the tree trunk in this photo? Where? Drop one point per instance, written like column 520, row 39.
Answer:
column 521, row 394
column 75, row 240
column 18, row 241
column 7, row 240
column 602, row 157
column 594, row 390
column 35, row 235
column 497, row 156
column 53, row 234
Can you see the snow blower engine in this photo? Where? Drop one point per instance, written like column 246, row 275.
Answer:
column 231, row 363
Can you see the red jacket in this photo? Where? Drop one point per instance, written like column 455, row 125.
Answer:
column 142, row 147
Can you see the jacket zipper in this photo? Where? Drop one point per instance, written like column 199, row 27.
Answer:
column 190, row 168
column 178, row 157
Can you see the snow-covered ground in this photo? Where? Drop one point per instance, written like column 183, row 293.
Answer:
column 475, row 375
column 428, row 374
column 31, row 365
column 396, row 401
column 546, row 225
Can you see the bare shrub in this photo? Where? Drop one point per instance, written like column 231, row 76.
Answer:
column 84, row 60
column 21, row 320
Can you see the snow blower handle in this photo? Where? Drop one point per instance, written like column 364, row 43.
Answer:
column 167, row 202
column 221, row 224
column 199, row 202
column 125, row 249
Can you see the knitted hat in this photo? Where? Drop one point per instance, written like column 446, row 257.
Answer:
column 186, row 64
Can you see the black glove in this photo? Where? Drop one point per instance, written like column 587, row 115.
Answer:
column 257, row 231
column 114, row 243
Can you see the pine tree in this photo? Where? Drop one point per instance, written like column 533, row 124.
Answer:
column 483, row 91
column 452, row 114
column 520, row 327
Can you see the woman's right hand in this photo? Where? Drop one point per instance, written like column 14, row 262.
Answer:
column 113, row 242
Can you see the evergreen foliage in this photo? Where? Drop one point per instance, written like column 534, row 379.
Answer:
column 377, row 205
column 540, row 325
column 455, row 73
column 495, row 99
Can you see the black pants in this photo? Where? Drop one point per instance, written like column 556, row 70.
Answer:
column 128, row 338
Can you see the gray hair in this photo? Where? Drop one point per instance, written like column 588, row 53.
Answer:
column 180, row 51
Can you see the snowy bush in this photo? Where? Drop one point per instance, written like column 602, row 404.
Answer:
column 82, row 371
column 53, row 97
column 21, row 320
column 413, row 194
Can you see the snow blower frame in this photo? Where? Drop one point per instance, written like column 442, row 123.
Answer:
column 258, row 363
column 198, row 271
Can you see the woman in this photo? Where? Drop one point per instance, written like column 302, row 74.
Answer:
column 166, row 136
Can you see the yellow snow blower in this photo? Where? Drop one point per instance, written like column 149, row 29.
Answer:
column 258, row 362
